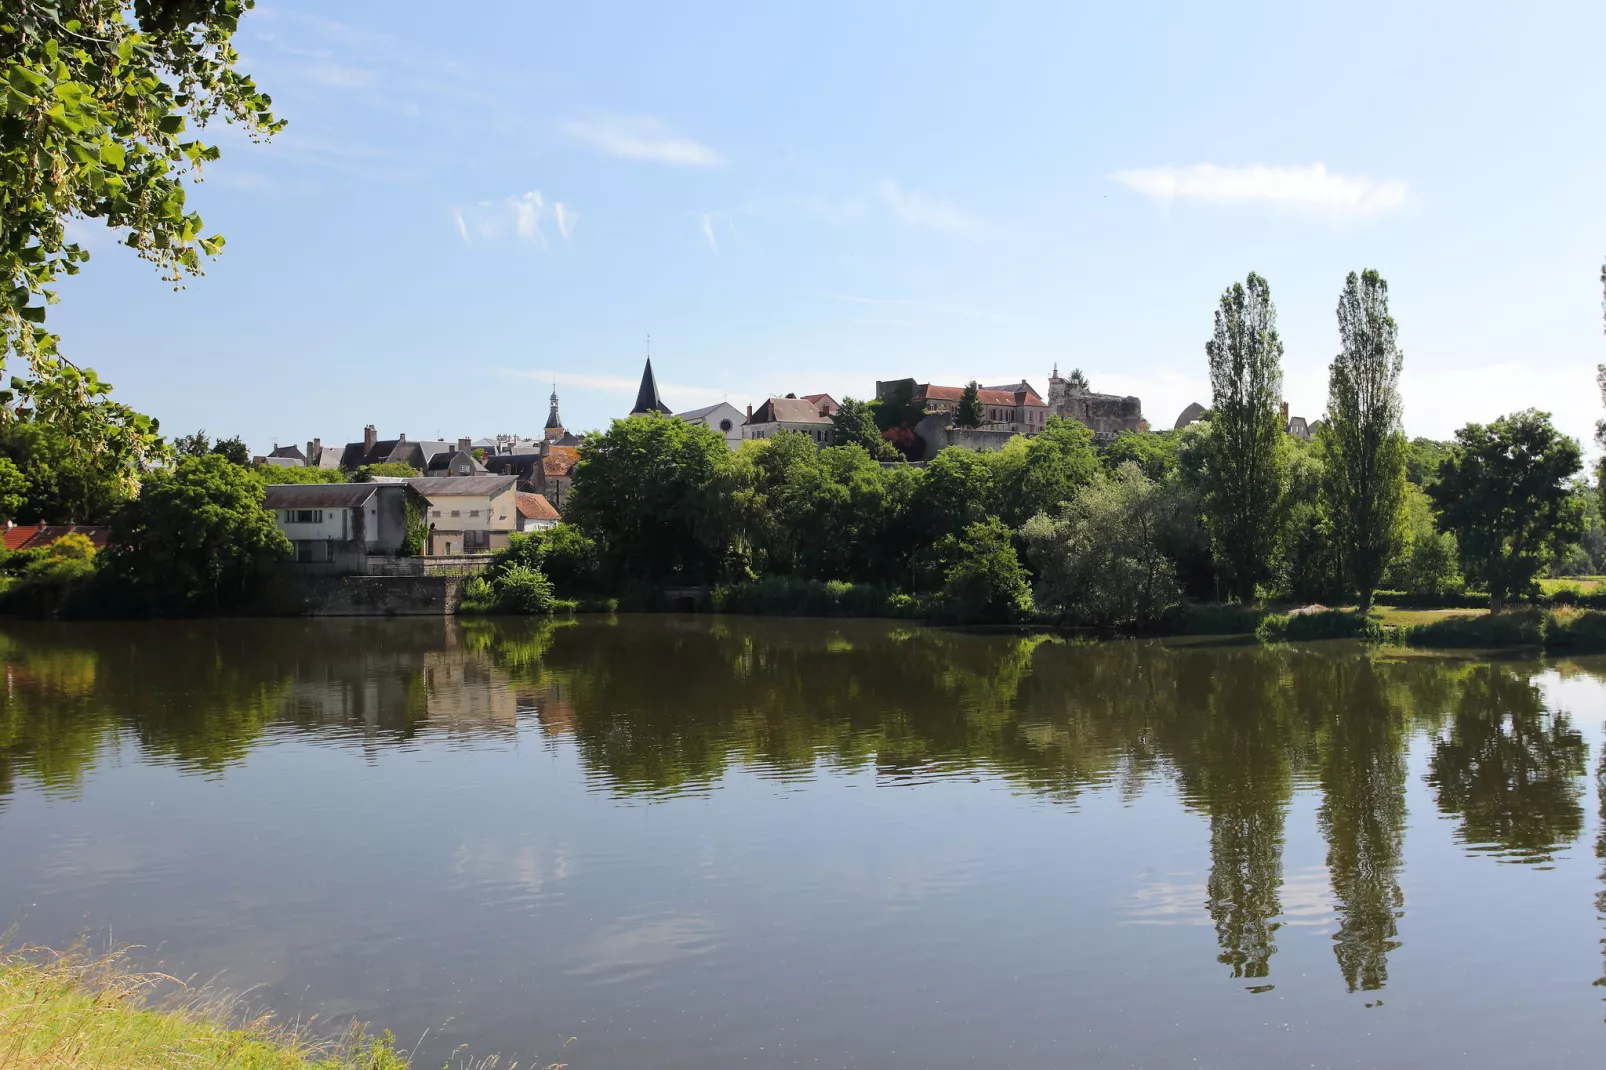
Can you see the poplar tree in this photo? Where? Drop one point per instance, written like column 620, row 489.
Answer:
column 1364, row 475
column 1600, row 425
column 1244, row 499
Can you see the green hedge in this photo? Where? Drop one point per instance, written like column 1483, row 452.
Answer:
column 1321, row 624
column 792, row 597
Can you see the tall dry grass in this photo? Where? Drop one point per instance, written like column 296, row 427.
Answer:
column 81, row 1011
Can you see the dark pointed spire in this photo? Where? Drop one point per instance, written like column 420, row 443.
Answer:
column 553, row 420
column 647, row 399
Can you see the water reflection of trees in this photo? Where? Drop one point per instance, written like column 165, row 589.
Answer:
column 659, row 706
column 1509, row 767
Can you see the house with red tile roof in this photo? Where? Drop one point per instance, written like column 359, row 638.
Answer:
column 39, row 536
column 535, row 512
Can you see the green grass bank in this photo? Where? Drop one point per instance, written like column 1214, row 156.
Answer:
column 61, row 1011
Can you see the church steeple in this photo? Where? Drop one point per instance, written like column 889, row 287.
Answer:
column 647, row 399
column 553, row 420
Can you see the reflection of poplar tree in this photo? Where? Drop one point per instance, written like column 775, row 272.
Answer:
column 1243, row 779
column 1600, row 839
column 1510, row 768
column 1363, row 820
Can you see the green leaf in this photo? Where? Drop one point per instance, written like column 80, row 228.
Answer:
column 170, row 124
column 112, row 153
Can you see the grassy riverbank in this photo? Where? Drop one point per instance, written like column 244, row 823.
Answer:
column 87, row 1013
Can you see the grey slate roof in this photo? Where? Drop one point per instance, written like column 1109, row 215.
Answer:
column 647, row 399
column 435, row 486
column 319, row 495
column 788, row 410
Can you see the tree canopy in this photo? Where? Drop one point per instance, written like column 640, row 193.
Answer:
column 99, row 96
column 195, row 538
column 1504, row 492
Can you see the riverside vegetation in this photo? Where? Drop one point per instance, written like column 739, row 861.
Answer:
column 1151, row 532
column 88, row 1012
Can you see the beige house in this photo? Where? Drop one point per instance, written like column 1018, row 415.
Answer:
column 468, row 514
column 790, row 414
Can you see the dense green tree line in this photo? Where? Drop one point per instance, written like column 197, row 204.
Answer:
column 1231, row 507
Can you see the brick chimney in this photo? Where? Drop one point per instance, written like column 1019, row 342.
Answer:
column 1285, row 415
column 465, row 445
column 370, row 436
column 749, row 413
column 402, row 437
column 314, row 448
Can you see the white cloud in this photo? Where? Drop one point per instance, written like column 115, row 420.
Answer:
column 707, row 224
column 1310, row 188
column 915, row 209
column 527, row 215
column 521, row 216
column 641, row 138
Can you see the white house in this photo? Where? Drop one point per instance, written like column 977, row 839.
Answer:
column 468, row 514
column 535, row 512
column 790, row 414
column 725, row 418
column 338, row 525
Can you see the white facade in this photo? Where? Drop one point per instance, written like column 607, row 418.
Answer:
column 725, row 418
column 822, row 434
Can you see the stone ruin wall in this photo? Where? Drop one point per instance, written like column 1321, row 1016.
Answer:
column 1106, row 414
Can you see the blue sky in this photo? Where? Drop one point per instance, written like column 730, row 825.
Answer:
column 810, row 197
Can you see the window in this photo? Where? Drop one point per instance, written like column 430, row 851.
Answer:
column 436, row 514
column 724, row 425
column 303, row 516
column 312, row 551
column 473, row 512
column 456, row 513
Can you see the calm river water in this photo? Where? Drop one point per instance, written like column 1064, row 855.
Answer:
column 717, row 842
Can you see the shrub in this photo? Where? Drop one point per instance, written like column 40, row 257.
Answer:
column 987, row 585
column 1101, row 561
column 1211, row 618
column 1577, row 634
column 1320, row 624
column 1516, row 628
column 54, row 581
column 477, row 596
column 564, row 554
column 522, row 589
column 1449, row 599
column 792, row 596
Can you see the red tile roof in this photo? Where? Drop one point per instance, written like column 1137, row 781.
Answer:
column 932, row 392
column 560, row 460
column 34, row 536
column 535, row 506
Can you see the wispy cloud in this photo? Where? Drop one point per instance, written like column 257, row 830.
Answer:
column 706, row 221
column 927, row 306
column 521, row 216
column 1311, row 188
column 915, row 209
column 641, row 137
